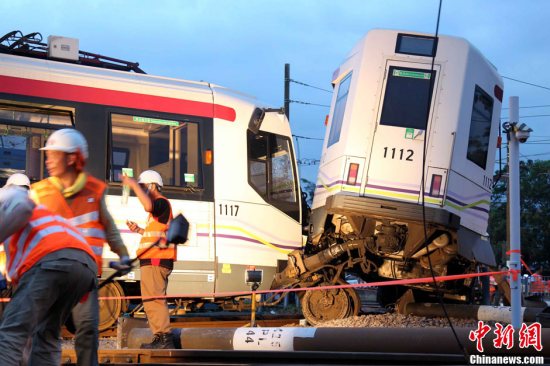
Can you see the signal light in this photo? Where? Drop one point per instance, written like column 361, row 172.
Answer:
column 498, row 93
column 352, row 174
column 499, row 142
column 208, row 157
column 436, row 185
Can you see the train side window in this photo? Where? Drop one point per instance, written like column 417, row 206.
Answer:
column 407, row 98
column 169, row 147
column 257, row 162
column 480, row 128
column 271, row 171
column 24, row 129
column 283, row 186
column 339, row 109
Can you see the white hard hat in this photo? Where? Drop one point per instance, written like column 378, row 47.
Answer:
column 18, row 179
column 15, row 210
column 67, row 140
column 150, row 176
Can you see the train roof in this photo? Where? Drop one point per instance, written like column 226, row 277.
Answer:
column 75, row 74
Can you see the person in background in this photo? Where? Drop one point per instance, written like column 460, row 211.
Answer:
column 19, row 179
column 537, row 285
column 53, row 268
column 72, row 193
column 498, row 298
column 156, row 264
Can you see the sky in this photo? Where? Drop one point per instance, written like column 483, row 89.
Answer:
column 244, row 45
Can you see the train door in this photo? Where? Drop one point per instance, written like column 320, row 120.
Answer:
column 173, row 146
column 396, row 157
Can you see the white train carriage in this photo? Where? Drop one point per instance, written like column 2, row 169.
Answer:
column 388, row 105
column 227, row 162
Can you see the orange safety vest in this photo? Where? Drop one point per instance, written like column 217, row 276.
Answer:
column 537, row 285
column 492, row 284
column 153, row 231
column 83, row 212
column 45, row 233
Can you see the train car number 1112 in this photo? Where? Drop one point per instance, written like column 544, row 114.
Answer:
column 399, row 154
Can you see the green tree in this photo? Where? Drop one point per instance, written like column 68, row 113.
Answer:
column 535, row 213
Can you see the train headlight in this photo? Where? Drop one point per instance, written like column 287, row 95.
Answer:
column 253, row 277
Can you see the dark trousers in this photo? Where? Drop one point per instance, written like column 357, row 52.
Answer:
column 43, row 300
column 86, row 321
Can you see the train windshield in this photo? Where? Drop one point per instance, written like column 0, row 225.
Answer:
column 271, row 171
column 407, row 98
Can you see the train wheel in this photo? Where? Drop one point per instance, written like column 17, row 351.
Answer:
column 355, row 302
column 323, row 305
column 110, row 310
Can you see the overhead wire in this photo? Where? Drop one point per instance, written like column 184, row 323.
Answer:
column 308, row 138
column 527, row 83
column 422, row 189
column 315, row 104
column 310, row 86
column 531, row 106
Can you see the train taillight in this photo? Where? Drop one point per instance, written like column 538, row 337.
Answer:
column 352, row 174
column 436, row 185
column 498, row 93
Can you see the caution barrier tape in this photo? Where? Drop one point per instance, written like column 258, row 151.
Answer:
column 412, row 281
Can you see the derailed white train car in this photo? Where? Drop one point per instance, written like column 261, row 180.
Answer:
column 226, row 160
column 388, row 106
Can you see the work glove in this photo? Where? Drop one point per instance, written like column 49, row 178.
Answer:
column 123, row 266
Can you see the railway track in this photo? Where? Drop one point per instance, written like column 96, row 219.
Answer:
column 223, row 321
column 322, row 346
column 222, row 357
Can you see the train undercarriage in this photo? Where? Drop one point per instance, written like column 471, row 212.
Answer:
column 378, row 240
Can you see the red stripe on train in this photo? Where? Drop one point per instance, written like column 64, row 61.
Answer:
column 87, row 94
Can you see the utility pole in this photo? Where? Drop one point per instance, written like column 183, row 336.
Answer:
column 287, row 91
column 517, row 133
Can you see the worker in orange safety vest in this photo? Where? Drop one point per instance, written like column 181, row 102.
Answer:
column 156, row 264
column 537, row 284
column 52, row 267
column 80, row 198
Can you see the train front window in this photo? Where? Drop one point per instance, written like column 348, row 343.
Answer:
column 24, row 129
column 480, row 128
column 272, row 172
column 407, row 98
column 169, row 147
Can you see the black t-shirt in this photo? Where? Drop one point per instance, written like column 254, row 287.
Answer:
column 161, row 210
